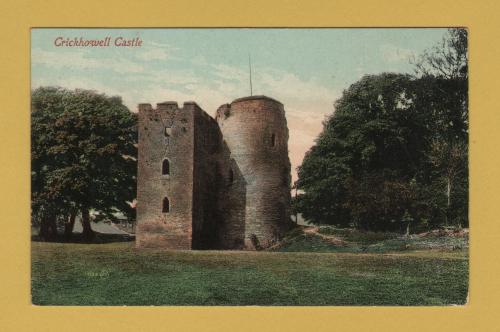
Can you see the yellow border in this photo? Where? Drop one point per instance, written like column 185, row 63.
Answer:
column 482, row 313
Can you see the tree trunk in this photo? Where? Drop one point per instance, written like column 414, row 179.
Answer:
column 44, row 230
column 448, row 191
column 69, row 225
column 448, row 197
column 88, row 233
column 48, row 228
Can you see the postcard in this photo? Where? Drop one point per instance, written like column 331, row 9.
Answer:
column 257, row 166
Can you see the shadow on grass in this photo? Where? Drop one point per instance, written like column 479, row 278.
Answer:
column 99, row 238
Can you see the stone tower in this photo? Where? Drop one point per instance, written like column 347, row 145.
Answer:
column 164, row 156
column 256, row 133
column 205, row 183
column 176, row 165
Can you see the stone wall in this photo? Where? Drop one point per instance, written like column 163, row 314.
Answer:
column 207, row 180
column 166, row 132
column 256, row 134
column 232, row 202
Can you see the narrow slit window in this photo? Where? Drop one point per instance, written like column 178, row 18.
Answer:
column 165, row 205
column 273, row 140
column 231, row 176
column 165, row 167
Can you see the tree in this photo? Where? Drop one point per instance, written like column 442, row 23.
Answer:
column 360, row 170
column 444, row 68
column 394, row 153
column 449, row 161
column 448, row 59
column 83, row 156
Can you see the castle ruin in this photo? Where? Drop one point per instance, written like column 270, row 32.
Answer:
column 206, row 183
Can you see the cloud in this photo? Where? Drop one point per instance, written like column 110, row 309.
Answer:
column 230, row 73
column 81, row 59
column 157, row 44
column 392, row 53
column 199, row 60
column 153, row 54
column 157, row 51
column 175, row 77
column 298, row 144
column 304, row 126
column 290, row 87
column 166, row 77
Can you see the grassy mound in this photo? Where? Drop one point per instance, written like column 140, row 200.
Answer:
column 331, row 239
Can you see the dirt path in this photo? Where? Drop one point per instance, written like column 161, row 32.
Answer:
column 330, row 238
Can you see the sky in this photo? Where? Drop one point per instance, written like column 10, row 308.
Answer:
column 305, row 69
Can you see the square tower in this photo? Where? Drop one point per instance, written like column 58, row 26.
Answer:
column 165, row 176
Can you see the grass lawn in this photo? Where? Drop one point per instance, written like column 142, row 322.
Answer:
column 118, row 274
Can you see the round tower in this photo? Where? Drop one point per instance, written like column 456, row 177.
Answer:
column 256, row 134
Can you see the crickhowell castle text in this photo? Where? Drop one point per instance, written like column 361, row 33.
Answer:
column 206, row 183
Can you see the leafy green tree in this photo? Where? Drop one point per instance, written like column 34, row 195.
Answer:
column 394, row 153
column 443, row 71
column 370, row 149
column 83, row 157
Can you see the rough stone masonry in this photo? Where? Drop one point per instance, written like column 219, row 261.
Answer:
column 206, row 183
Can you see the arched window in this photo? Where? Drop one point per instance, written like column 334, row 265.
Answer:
column 168, row 131
column 273, row 140
column 165, row 167
column 165, row 206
